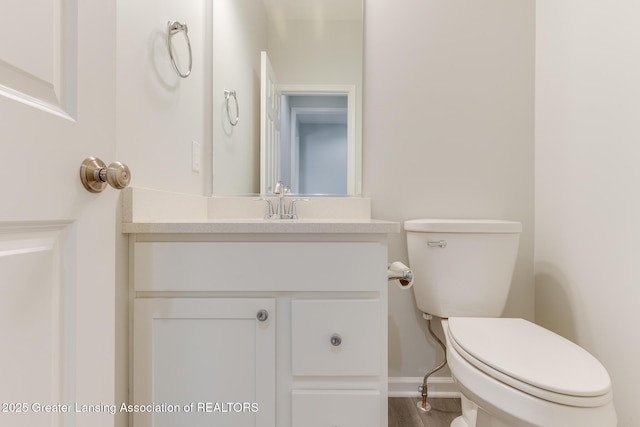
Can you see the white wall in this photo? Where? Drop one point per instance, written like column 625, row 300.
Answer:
column 158, row 113
column 587, row 183
column 448, row 132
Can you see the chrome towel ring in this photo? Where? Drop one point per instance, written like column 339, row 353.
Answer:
column 174, row 27
column 228, row 94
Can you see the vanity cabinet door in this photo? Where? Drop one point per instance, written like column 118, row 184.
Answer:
column 204, row 362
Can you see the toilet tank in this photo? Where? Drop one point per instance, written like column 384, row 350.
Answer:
column 462, row 268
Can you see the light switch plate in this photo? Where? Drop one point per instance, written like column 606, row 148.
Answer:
column 195, row 156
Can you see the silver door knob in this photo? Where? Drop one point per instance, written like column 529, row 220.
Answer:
column 95, row 175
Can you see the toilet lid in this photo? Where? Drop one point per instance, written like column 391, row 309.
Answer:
column 531, row 355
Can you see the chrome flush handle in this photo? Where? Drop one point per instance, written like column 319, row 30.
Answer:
column 440, row 243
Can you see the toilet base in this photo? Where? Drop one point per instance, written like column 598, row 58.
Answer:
column 473, row 416
column 459, row 422
column 469, row 413
column 491, row 422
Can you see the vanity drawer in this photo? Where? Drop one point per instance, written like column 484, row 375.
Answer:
column 321, row 408
column 259, row 266
column 336, row 337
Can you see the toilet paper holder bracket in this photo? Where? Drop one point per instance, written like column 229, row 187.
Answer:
column 402, row 273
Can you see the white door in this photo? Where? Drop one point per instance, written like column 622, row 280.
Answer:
column 269, row 126
column 57, row 240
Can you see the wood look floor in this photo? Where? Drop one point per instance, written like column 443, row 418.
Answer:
column 404, row 413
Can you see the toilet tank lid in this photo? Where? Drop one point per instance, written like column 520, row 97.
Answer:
column 462, row 226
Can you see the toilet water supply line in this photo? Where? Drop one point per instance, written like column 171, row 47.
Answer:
column 399, row 272
column 423, row 405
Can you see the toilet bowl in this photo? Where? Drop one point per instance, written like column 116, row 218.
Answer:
column 513, row 373
column 510, row 372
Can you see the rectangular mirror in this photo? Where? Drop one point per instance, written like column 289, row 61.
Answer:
column 315, row 48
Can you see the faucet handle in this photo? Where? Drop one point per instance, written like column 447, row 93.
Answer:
column 292, row 208
column 268, row 214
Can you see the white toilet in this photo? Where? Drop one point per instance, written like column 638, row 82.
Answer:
column 511, row 372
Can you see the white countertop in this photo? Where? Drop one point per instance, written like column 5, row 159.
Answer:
column 146, row 211
column 223, row 226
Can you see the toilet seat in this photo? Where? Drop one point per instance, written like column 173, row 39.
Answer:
column 531, row 359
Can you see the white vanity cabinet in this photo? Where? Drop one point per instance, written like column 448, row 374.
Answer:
column 267, row 329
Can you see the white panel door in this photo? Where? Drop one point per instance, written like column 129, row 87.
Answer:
column 57, row 241
column 210, row 359
column 269, row 126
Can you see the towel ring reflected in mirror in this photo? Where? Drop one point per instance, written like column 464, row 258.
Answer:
column 228, row 94
column 173, row 28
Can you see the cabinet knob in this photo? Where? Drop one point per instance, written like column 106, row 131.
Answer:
column 262, row 315
column 336, row 340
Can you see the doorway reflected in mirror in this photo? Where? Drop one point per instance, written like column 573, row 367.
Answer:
column 314, row 143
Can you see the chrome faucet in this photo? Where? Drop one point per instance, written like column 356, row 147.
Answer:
column 280, row 191
column 281, row 212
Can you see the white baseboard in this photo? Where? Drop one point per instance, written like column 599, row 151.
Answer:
column 439, row 387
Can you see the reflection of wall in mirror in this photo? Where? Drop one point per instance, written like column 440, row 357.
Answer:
column 304, row 55
column 239, row 34
column 323, row 159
